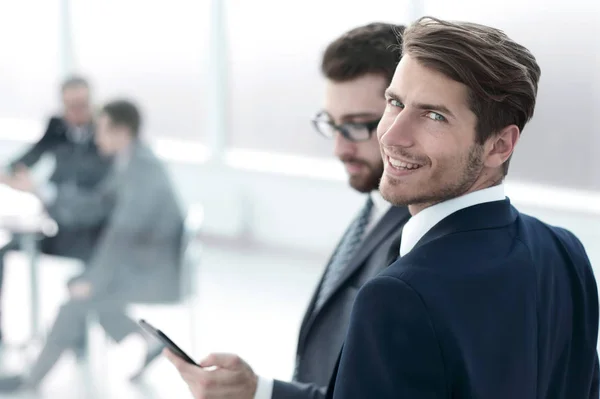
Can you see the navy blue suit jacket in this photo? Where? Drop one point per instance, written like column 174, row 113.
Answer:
column 490, row 304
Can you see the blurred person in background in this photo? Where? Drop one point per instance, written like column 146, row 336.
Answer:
column 484, row 301
column 137, row 256
column 78, row 163
column 358, row 67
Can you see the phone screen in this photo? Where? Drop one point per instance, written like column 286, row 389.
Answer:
column 162, row 337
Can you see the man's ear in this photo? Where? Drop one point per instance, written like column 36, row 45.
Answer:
column 500, row 146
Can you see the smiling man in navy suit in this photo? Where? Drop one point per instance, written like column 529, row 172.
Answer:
column 484, row 302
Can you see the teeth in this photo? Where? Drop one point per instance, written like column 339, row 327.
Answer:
column 403, row 165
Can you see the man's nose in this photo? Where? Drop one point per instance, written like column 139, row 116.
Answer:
column 343, row 146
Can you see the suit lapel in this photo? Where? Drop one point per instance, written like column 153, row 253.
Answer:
column 332, row 380
column 394, row 219
column 482, row 216
column 477, row 217
column 391, row 221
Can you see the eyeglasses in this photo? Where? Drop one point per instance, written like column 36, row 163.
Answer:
column 353, row 131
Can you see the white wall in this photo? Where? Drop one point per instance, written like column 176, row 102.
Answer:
column 148, row 50
column 275, row 51
column 29, row 51
column 560, row 146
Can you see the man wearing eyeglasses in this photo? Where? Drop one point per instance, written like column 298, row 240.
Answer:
column 358, row 67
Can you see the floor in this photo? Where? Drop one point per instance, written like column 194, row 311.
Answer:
column 250, row 302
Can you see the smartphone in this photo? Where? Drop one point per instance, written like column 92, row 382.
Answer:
column 162, row 337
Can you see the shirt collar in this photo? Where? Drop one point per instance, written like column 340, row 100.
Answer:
column 422, row 222
column 78, row 134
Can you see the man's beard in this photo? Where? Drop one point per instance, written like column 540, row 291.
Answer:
column 443, row 192
column 370, row 181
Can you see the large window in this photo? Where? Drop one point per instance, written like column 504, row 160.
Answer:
column 274, row 55
column 29, row 66
column 560, row 146
column 151, row 51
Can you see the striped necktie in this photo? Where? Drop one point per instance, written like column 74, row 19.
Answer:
column 344, row 252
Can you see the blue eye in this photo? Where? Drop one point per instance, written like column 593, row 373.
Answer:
column 396, row 103
column 436, row 117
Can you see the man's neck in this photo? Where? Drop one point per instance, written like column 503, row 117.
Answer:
column 480, row 184
column 125, row 147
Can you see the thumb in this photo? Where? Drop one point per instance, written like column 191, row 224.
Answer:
column 222, row 360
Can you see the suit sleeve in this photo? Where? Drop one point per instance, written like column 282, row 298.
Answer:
column 296, row 390
column 48, row 140
column 137, row 207
column 595, row 388
column 391, row 349
column 133, row 217
column 76, row 208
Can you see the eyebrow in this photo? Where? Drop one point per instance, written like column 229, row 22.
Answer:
column 358, row 115
column 389, row 93
column 435, row 107
column 425, row 106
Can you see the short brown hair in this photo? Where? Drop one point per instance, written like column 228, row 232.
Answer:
column 502, row 76
column 374, row 48
column 124, row 113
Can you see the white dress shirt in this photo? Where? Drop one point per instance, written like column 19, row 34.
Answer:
column 380, row 207
column 422, row 222
column 79, row 134
column 264, row 387
column 46, row 190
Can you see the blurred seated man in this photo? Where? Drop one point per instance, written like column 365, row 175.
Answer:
column 137, row 256
column 68, row 139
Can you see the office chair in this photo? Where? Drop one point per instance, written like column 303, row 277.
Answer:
column 189, row 260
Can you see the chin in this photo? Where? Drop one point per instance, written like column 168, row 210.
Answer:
column 394, row 192
column 394, row 198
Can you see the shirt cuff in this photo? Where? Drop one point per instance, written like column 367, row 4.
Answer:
column 47, row 192
column 264, row 388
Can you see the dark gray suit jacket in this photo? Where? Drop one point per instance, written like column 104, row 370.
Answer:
column 137, row 256
column 323, row 330
column 77, row 164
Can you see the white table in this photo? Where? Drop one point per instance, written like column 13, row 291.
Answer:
column 23, row 214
